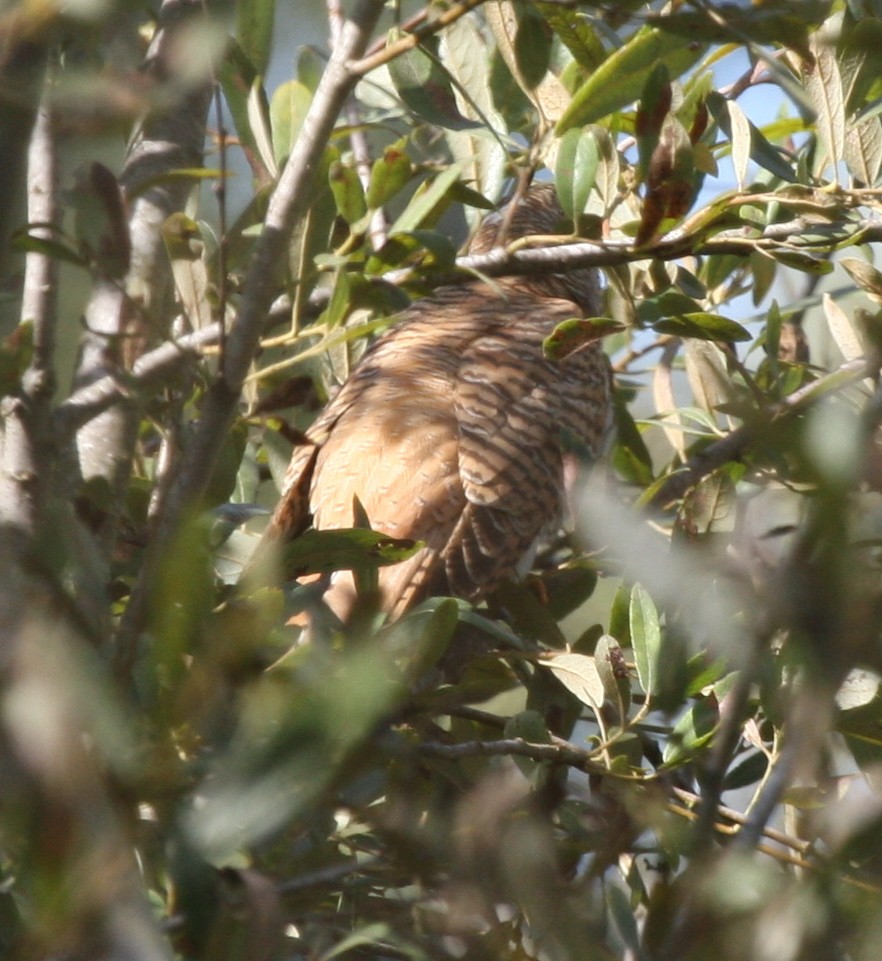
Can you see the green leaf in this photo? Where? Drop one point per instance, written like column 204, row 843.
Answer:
column 240, row 83
column 613, row 673
column 575, row 171
column 865, row 275
column 655, row 103
column 424, row 202
column 571, row 335
column 645, row 634
column 804, row 262
column 287, row 111
column 620, row 79
column 28, row 243
column 320, row 552
column 694, row 729
column 254, row 31
column 576, row 32
column 579, row 675
column 348, row 192
column 389, row 175
column 762, row 152
column 532, row 47
column 704, row 326
column 823, row 83
column 424, row 86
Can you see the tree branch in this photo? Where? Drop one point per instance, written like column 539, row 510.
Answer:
column 289, row 202
column 26, row 456
column 123, row 312
column 733, row 445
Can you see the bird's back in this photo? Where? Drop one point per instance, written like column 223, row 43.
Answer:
column 449, row 431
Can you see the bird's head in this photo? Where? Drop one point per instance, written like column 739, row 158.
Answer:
column 538, row 211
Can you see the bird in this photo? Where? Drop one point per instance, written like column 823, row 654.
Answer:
column 451, row 429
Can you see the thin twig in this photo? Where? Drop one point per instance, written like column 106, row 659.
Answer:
column 414, row 39
column 734, row 444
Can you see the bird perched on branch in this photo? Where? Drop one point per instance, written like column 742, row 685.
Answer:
column 450, row 429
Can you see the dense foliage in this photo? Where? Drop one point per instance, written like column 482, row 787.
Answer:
column 667, row 742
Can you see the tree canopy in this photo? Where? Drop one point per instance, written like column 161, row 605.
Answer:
column 669, row 744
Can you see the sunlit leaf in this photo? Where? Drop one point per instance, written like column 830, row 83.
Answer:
column 619, row 80
column 645, row 636
column 705, row 326
column 579, row 675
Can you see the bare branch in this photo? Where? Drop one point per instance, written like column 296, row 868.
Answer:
column 559, row 752
column 26, row 460
column 22, row 66
column 733, row 445
column 289, row 202
column 122, row 312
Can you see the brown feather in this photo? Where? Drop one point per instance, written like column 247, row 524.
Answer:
column 449, row 429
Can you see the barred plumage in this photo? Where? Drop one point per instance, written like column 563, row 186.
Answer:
column 449, row 430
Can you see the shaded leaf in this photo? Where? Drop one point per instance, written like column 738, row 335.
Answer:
column 694, row 729
column 424, row 86
column 645, row 632
column 318, row 552
column 575, row 170
column 703, row 325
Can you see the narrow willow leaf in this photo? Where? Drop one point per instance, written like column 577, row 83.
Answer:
column 842, row 329
column 645, row 638
column 576, row 33
column 863, row 150
column 740, row 139
column 424, row 85
column 866, row 276
column 185, row 248
column 762, row 152
column 620, row 79
column 348, row 192
column 421, row 205
column 254, row 31
column 707, row 374
column 288, row 109
column 613, row 673
column 609, row 168
column 823, row 84
column 389, row 174
column 666, row 404
column 464, row 52
column 804, row 262
column 317, row 552
column 579, row 675
column 703, row 325
column 690, row 733
column 569, row 335
column 575, row 171
column 549, row 96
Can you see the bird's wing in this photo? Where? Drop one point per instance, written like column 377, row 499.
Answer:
column 393, row 444
column 511, row 405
